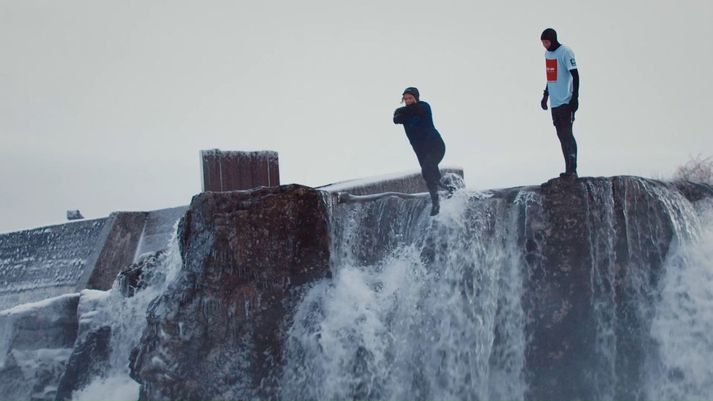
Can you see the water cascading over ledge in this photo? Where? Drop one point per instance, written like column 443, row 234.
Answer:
column 561, row 291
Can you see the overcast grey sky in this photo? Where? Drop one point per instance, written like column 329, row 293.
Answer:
column 105, row 104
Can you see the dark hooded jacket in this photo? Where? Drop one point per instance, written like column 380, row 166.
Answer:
column 418, row 123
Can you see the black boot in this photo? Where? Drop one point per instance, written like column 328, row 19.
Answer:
column 435, row 203
column 570, row 167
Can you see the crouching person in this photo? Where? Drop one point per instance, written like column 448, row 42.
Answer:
column 426, row 141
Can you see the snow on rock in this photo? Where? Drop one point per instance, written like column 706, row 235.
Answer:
column 405, row 182
column 36, row 341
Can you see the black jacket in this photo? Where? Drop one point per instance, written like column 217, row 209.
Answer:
column 418, row 123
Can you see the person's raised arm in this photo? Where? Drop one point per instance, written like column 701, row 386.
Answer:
column 402, row 113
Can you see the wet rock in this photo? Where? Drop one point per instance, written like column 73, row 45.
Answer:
column 593, row 251
column 595, row 254
column 37, row 342
column 137, row 276
column 89, row 360
column 217, row 333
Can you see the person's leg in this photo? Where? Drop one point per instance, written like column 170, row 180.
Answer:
column 429, row 164
column 430, row 173
column 563, row 119
column 432, row 154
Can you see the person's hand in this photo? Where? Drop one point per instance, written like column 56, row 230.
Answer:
column 574, row 103
column 399, row 115
column 543, row 102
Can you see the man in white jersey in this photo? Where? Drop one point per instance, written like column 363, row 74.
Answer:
column 563, row 92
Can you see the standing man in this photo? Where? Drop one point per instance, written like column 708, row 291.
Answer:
column 425, row 140
column 563, row 91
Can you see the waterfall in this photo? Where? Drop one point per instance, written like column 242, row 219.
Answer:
column 625, row 279
column 126, row 316
column 437, row 315
column 598, row 289
column 433, row 308
column 683, row 320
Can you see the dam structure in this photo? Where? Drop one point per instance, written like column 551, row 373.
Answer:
column 597, row 288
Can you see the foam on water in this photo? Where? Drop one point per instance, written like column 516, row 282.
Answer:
column 127, row 319
column 438, row 317
column 683, row 321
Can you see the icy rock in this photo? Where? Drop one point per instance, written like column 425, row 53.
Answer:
column 596, row 249
column 217, row 332
column 37, row 340
column 135, row 277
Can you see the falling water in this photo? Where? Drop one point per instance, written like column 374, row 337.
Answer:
column 126, row 316
column 432, row 308
column 683, row 320
column 626, row 280
column 436, row 316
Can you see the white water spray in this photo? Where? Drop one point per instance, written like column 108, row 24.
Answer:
column 683, row 322
column 127, row 319
column 438, row 317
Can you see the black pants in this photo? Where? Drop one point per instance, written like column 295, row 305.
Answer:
column 429, row 154
column 563, row 118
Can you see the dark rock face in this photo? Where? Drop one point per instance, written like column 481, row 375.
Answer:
column 558, row 293
column 595, row 257
column 217, row 332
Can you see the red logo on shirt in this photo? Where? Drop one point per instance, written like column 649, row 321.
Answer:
column 551, row 68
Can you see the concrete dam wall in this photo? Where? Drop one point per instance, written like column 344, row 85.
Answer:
column 50, row 261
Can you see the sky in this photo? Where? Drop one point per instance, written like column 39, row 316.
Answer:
column 105, row 104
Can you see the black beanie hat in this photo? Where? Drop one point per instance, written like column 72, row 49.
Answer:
column 413, row 91
column 549, row 34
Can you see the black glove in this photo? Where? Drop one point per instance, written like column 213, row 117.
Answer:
column 543, row 102
column 574, row 103
column 399, row 115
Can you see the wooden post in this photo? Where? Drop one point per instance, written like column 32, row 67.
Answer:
column 224, row 171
